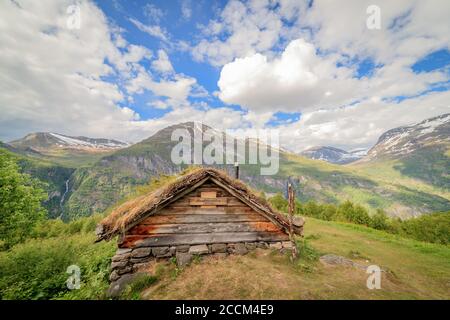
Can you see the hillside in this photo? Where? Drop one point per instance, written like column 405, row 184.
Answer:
column 415, row 270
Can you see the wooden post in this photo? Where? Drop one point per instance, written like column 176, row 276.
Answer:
column 236, row 170
column 291, row 201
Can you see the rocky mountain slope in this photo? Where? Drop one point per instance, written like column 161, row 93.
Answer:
column 333, row 155
column 404, row 141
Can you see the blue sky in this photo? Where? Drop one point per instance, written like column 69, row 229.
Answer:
column 313, row 69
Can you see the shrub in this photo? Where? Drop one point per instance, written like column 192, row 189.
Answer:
column 36, row 269
column 279, row 202
column 379, row 221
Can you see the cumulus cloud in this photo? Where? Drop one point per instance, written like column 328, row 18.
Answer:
column 52, row 78
column 162, row 64
column 360, row 125
column 248, row 28
column 297, row 80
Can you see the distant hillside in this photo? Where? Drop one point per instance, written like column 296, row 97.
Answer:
column 333, row 155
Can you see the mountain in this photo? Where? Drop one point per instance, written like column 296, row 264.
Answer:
column 45, row 141
column 113, row 177
column 333, row 155
column 419, row 152
column 65, row 150
column 404, row 141
column 403, row 187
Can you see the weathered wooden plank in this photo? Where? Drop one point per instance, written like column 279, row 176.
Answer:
column 200, row 238
column 198, row 210
column 198, row 201
column 192, row 228
column 199, row 218
column 208, row 194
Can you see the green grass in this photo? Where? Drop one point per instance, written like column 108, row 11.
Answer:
column 415, row 270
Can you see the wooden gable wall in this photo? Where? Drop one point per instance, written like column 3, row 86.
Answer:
column 208, row 214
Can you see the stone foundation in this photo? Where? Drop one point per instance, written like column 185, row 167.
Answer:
column 127, row 261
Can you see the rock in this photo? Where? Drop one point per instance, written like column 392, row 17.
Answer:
column 183, row 259
column 250, row 245
column 199, row 249
column 141, row 252
column 218, row 248
column 237, row 248
column 298, row 221
column 124, row 270
column 116, row 287
column 287, row 244
column 118, row 264
column 161, row 252
column 141, row 260
column 172, row 250
column 183, row 248
column 121, row 257
column 275, row 245
column 114, row 276
column 122, row 251
column 262, row 245
column 140, row 266
column 332, row 259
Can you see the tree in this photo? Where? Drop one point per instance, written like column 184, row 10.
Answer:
column 20, row 201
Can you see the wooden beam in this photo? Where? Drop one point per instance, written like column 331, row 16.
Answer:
column 201, row 238
column 200, row 218
column 207, row 227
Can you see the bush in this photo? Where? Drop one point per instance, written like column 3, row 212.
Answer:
column 279, row 202
column 379, row 221
column 434, row 228
column 36, row 269
column 429, row 227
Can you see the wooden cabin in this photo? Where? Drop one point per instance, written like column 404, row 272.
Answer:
column 202, row 212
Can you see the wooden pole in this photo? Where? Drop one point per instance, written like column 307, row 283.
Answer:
column 291, row 201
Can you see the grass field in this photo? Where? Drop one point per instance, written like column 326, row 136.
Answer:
column 415, row 270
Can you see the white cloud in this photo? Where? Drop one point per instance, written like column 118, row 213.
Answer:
column 51, row 78
column 152, row 12
column 361, row 125
column 251, row 27
column 153, row 30
column 300, row 80
column 162, row 64
column 186, row 9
